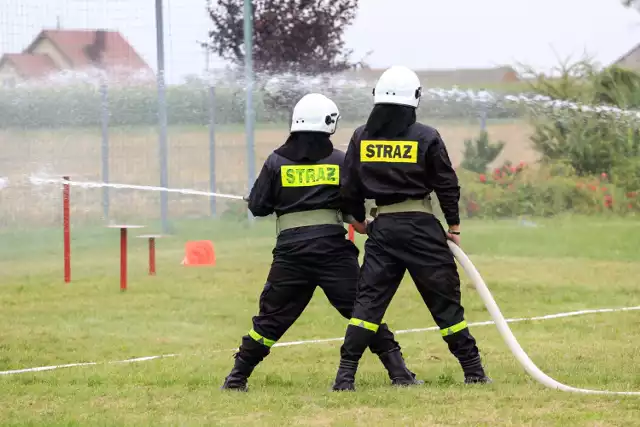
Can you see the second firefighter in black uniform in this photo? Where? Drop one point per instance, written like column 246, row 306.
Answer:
column 399, row 162
column 300, row 183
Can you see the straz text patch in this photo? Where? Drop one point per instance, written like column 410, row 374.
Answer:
column 389, row 151
column 309, row 175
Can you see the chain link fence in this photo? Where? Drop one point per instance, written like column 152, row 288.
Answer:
column 79, row 97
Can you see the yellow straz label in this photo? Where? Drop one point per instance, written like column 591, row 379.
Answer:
column 389, row 151
column 310, row 175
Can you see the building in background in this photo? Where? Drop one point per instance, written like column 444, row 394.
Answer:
column 55, row 51
column 630, row 60
column 465, row 77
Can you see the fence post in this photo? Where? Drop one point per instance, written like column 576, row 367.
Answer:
column 248, row 116
column 104, row 100
column 483, row 110
column 212, row 146
column 162, row 118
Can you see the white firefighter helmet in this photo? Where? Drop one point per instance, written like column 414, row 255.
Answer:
column 398, row 85
column 315, row 113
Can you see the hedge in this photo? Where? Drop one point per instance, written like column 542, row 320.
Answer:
column 513, row 191
column 523, row 191
column 188, row 104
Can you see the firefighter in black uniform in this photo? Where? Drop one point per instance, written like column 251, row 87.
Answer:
column 399, row 162
column 300, row 182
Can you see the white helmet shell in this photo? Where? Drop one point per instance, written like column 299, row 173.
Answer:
column 315, row 113
column 398, row 85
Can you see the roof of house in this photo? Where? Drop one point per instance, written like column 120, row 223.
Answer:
column 447, row 77
column 30, row 65
column 626, row 55
column 73, row 45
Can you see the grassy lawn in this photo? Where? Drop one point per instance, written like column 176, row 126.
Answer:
column 201, row 313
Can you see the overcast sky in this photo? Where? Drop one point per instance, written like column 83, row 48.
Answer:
column 416, row 33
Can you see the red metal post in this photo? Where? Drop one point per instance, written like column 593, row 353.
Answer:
column 352, row 233
column 152, row 256
column 123, row 259
column 66, row 231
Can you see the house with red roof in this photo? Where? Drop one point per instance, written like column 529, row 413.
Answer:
column 53, row 51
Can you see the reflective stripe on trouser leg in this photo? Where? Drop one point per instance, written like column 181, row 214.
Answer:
column 383, row 341
column 362, row 334
column 356, row 340
column 454, row 329
column 463, row 346
column 262, row 340
column 364, row 324
column 252, row 351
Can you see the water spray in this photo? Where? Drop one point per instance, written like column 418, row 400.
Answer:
column 35, row 180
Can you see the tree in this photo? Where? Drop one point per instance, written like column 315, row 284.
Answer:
column 476, row 158
column 302, row 36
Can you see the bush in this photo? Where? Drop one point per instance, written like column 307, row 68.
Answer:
column 626, row 174
column 519, row 190
column 590, row 142
column 476, row 158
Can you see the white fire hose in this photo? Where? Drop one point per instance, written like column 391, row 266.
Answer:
column 508, row 336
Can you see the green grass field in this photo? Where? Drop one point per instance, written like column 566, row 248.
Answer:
column 561, row 265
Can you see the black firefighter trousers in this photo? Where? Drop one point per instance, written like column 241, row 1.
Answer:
column 297, row 269
column 416, row 242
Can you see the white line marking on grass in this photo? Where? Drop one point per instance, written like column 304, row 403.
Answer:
column 318, row 341
column 46, row 368
column 145, row 358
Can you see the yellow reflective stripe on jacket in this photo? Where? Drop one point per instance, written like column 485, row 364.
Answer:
column 309, row 175
column 259, row 338
column 364, row 324
column 389, row 151
column 453, row 329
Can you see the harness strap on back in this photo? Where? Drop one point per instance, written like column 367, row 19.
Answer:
column 411, row 205
column 308, row 218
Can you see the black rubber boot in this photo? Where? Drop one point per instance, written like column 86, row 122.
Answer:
column 399, row 374
column 237, row 378
column 463, row 346
column 477, row 380
column 346, row 376
column 474, row 372
column 249, row 355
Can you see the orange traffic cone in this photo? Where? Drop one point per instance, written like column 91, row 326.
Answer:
column 199, row 252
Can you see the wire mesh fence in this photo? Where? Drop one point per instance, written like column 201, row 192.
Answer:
column 80, row 97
